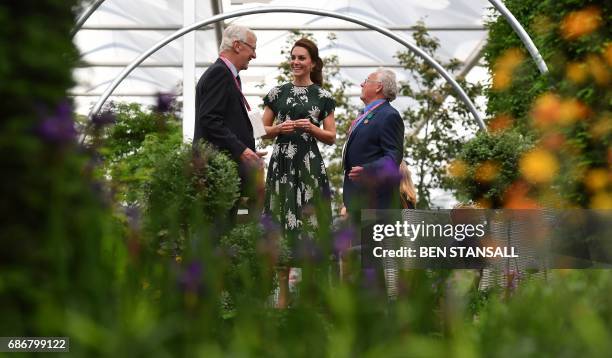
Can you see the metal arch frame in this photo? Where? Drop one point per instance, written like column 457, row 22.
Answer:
column 522, row 34
column 83, row 18
column 261, row 10
column 507, row 14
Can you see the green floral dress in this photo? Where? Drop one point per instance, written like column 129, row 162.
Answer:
column 297, row 188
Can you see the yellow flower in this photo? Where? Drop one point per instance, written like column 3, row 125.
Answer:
column 579, row 23
column 601, row 200
column 598, row 69
column 457, row 168
column 596, row 179
column 602, row 127
column 486, row 172
column 572, row 110
column 539, row 166
column 504, row 66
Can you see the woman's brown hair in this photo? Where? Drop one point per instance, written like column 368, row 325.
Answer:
column 316, row 76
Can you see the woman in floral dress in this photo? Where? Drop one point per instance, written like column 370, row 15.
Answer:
column 297, row 188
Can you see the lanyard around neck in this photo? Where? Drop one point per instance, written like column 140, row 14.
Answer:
column 359, row 119
column 244, row 100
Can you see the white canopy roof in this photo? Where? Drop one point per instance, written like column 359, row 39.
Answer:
column 119, row 31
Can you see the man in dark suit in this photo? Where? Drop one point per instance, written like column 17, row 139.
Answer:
column 371, row 158
column 374, row 148
column 222, row 109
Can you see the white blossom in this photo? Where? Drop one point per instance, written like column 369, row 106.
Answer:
column 313, row 221
column 274, row 92
column 291, row 150
column 306, row 136
column 307, row 162
column 299, row 197
column 308, row 193
column 292, row 221
column 283, row 179
column 324, row 93
column 314, row 112
column 299, row 91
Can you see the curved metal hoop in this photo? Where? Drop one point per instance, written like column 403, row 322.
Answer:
column 522, row 34
column 507, row 14
column 83, row 18
column 260, row 10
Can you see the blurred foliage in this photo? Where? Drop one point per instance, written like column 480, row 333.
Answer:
column 132, row 147
column 565, row 113
column 437, row 123
column 487, row 166
column 189, row 181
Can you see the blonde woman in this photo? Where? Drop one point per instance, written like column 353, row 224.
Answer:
column 408, row 194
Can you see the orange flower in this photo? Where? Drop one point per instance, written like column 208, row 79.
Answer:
column 546, row 111
column 516, row 197
column 553, row 141
column 500, row 123
column 539, row 166
column 576, row 72
column 607, row 54
column 579, row 23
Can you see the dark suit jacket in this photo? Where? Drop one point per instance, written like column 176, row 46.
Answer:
column 378, row 146
column 221, row 118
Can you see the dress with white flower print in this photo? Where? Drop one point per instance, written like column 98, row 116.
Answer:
column 297, row 187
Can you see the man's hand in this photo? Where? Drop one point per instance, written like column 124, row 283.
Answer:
column 357, row 174
column 251, row 159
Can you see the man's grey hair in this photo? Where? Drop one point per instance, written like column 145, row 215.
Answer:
column 234, row 33
column 389, row 82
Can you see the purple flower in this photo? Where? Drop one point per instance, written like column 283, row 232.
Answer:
column 343, row 239
column 268, row 224
column 164, row 102
column 103, row 119
column 389, row 172
column 58, row 127
column 190, row 277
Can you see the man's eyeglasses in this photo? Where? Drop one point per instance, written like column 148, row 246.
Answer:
column 369, row 80
column 249, row 45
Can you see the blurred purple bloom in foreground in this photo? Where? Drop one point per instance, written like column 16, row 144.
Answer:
column 343, row 239
column 164, row 102
column 191, row 277
column 389, row 172
column 58, row 127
